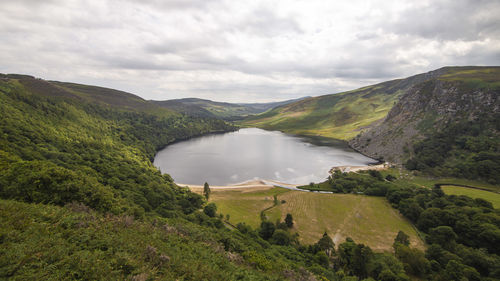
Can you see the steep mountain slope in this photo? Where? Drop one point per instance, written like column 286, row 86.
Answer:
column 446, row 126
column 224, row 110
column 462, row 94
column 340, row 116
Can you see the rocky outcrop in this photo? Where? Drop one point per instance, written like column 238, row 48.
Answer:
column 425, row 107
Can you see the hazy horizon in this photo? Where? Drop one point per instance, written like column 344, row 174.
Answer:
column 244, row 52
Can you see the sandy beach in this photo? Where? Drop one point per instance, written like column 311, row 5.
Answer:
column 346, row 169
column 251, row 184
column 265, row 184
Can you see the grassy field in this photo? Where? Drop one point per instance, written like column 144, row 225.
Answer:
column 369, row 220
column 244, row 205
column 493, row 197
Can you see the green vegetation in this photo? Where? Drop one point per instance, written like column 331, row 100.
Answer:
column 206, row 190
column 80, row 199
column 76, row 243
column 61, row 150
column 466, row 149
column 492, row 197
column 122, row 219
column 474, row 77
column 369, row 220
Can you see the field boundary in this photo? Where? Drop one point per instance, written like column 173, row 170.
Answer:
column 467, row 186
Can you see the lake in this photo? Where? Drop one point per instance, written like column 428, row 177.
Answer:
column 248, row 154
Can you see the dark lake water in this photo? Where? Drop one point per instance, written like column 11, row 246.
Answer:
column 248, row 154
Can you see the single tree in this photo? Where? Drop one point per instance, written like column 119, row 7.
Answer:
column 267, row 229
column 281, row 237
column 326, row 244
column 289, row 220
column 402, row 238
column 206, row 190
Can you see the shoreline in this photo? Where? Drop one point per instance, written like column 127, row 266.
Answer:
column 346, row 169
column 262, row 183
column 257, row 183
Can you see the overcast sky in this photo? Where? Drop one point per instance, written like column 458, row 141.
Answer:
column 243, row 51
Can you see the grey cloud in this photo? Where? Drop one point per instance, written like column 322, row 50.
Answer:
column 450, row 20
column 264, row 22
column 165, row 49
column 176, row 4
column 366, row 35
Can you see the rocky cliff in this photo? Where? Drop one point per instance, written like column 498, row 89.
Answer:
column 448, row 95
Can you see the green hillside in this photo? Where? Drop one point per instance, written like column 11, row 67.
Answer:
column 87, row 152
column 87, row 94
column 345, row 115
column 338, row 116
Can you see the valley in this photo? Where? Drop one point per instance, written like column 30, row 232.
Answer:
column 250, row 140
column 77, row 160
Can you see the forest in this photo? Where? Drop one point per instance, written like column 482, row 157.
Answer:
column 465, row 149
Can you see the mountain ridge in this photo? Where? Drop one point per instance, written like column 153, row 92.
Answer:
column 214, row 109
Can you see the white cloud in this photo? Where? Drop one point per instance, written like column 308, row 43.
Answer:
column 243, row 50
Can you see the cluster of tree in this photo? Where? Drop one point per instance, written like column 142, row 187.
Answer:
column 369, row 182
column 467, row 149
column 463, row 233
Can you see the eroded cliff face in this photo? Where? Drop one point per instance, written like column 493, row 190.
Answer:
column 427, row 106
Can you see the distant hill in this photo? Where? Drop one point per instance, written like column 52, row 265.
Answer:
column 341, row 115
column 224, row 110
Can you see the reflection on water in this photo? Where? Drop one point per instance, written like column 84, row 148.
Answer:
column 247, row 154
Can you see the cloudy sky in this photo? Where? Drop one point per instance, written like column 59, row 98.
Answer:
column 241, row 51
